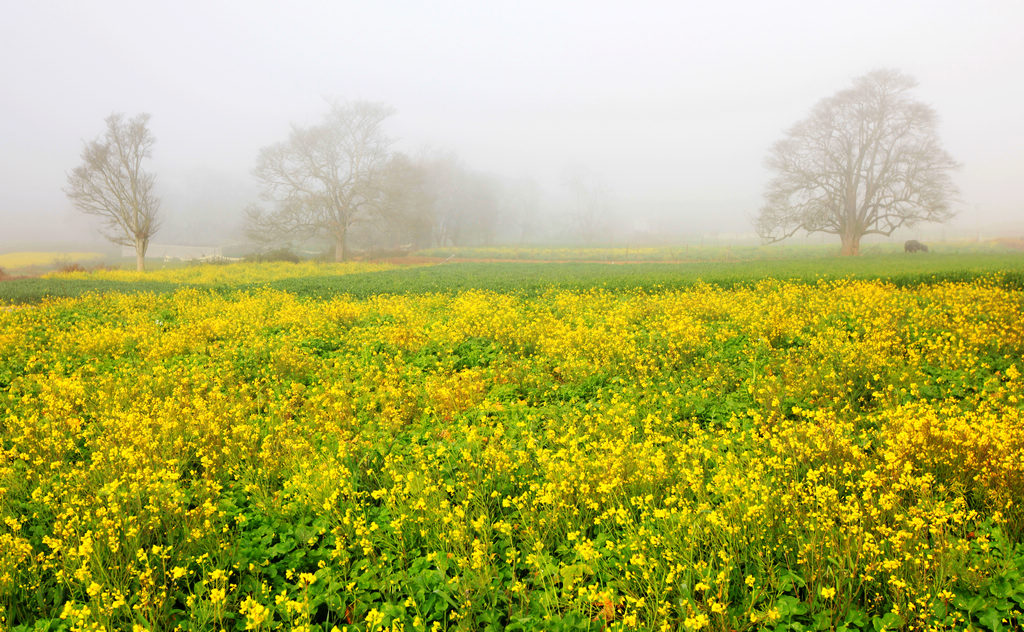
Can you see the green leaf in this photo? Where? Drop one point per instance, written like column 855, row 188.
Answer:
column 1001, row 588
column 972, row 604
column 890, row 621
column 856, row 618
column 789, row 580
column 823, row 621
column 992, row 619
column 790, row 606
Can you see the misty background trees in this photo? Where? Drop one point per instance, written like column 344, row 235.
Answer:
column 111, row 184
column 590, row 202
column 341, row 180
column 325, row 178
column 866, row 161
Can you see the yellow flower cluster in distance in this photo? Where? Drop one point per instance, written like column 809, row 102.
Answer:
column 228, row 273
column 14, row 260
column 833, row 454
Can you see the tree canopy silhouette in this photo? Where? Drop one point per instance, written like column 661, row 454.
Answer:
column 326, row 177
column 111, row 183
column 866, row 161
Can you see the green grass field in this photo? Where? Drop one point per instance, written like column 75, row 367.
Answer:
column 532, row 278
column 697, row 252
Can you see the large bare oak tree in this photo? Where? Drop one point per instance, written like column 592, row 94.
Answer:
column 866, row 161
column 111, row 183
column 326, row 177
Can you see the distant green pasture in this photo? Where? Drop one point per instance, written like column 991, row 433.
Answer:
column 536, row 277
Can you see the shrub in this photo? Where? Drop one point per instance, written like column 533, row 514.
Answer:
column 70, row 267
column 280, row 254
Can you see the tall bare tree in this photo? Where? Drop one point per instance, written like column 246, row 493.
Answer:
column 111, row 184
column 590, row 202
column 521, row 207
column 327, row 177
column 407, row 213
column 866, row 161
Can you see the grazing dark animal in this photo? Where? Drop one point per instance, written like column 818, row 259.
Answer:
column 914, row 245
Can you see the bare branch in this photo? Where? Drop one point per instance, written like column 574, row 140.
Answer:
column 326, row 177
column 866, row 161
column 111, row 184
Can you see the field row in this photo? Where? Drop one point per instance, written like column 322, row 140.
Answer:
column 712, row 251
column 829, row 455
column 362, row 280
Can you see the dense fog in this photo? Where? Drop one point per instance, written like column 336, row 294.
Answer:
column 534, row 122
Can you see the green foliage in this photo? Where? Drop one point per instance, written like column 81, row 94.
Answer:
column 531, row 279
column 280, row 254
column 322, row 434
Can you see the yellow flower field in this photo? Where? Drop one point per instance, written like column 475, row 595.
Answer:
column 227, row 274
column 845, row 455
column 14, row 260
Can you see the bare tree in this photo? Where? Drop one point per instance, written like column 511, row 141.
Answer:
column 866, row 161
column 590, row 201
column 408, row 208
column 327, row 177
column 111, row 184
column 445, row 175
column 461, row 206
column 521, row 207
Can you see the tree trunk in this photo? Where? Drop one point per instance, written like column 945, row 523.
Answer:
column 851, row 244
column 140, row 259
column 340, row 251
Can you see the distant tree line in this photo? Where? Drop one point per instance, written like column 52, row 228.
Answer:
column 340, row 180
column 866, row 161
column 337, row 183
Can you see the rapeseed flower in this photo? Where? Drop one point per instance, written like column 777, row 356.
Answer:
column 658, row 460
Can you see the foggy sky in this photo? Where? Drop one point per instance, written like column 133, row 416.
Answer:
column 675, row 104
